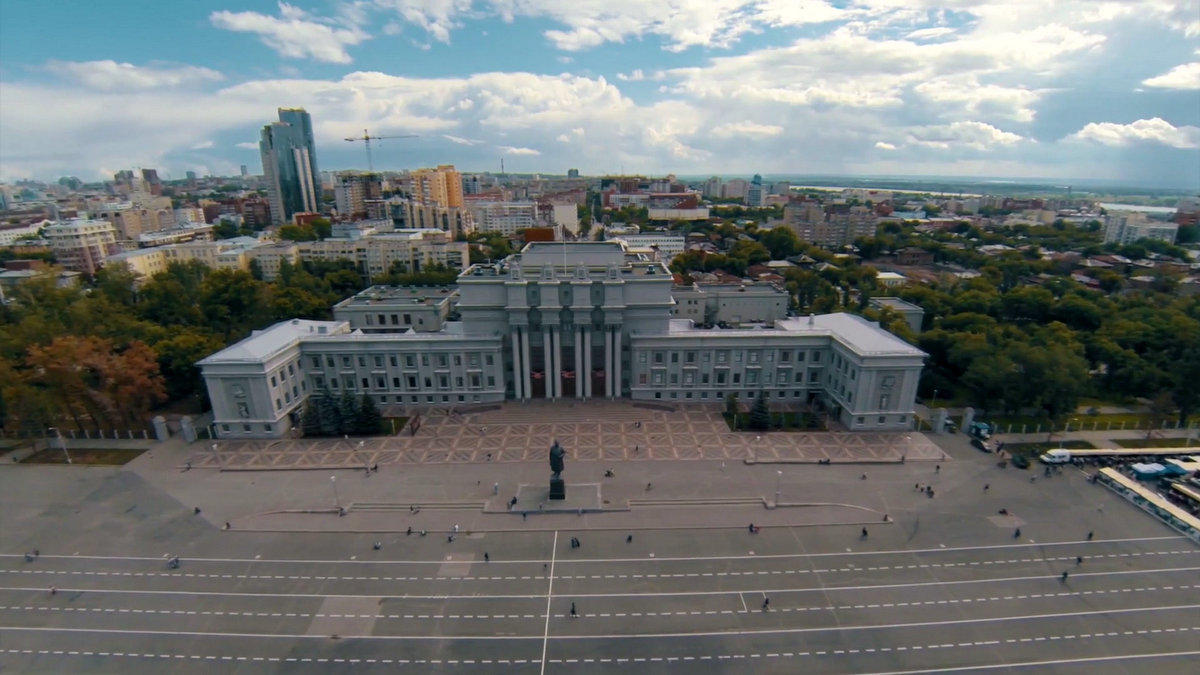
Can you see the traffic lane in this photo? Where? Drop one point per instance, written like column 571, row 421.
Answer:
column 197, row 653
column 897, row 648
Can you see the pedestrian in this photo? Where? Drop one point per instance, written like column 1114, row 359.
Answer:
column 629, row 539
column 751, row 528
column 917, row 487
column 1078, row 560
column 886, row 517
column 864, row 534
column 1090, row 534
column 456, row 528
column 375, row 468
column 378, row 545
column 53, row 590
column 636, row 448
column 409, row 532
column 574, row 614
column 227, row 526
column 1064, row 576
column 864, row 477
column 1033, row 479
column 197, row 511
column 36, row 553
column 986, row 486
column 449, row 538
column 649, row 486
column 1017, row 533
column 937, row 468
column 766, row 603
column 187, row 467
column 486, row 557
column 524, row 515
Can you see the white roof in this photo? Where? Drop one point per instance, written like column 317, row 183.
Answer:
column 863, row 336
column 263, row 343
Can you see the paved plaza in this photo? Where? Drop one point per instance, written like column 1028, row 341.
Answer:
column 667, row 577
column 597, row 430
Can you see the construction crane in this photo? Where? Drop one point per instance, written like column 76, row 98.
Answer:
column 366, row 139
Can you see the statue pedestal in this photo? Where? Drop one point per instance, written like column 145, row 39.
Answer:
column 558, row 488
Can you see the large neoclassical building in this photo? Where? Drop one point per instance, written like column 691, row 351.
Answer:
column 569, row 320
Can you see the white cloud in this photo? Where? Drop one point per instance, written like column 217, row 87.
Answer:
column 247, row 146
column 1186, row 76
column 510, row 150
column 1155, row 130
column 295, row 33
column 746, row 128
column 636, row 76
column 460, row 140
column 436, row 17
column 884, row 146
column 112, row 76
column 202, row 145
column 973, row 135
column 930, row 33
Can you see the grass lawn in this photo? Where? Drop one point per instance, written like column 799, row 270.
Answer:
column 1114, row 421
column 791, row 421
column 102, row 457
column 1156, row 443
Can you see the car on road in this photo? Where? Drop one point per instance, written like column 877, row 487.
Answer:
column 980, row 444
column 1020, row 461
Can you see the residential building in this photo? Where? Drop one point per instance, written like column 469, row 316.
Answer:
column 504, row 217
column 756, row 194
column 1126, row 227
column 729, row 304
column 351, row 191
column 270, row 258
column 664, row 246
column 11, row 233
column 374, row 256
column 442, row 186
column 712, row 188
column 289, row 160
column 572, row 320
column 914, row 315
column 176, row 235
column 81, row 244
column 143, row 262
column 408, row 214
column 735, row 189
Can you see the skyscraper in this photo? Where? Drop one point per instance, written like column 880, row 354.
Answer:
column 289, row 161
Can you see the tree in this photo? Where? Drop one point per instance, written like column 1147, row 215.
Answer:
column 347, row 411
column 310, row 419
column 760, row 415
column 369, row 420
column 781, row 242
column 233, row 302
column 177, row 357
column 329, row 413
column 731, row 407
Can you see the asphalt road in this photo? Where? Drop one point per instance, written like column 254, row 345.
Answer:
column 945, row 586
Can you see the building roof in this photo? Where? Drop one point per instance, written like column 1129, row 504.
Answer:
column 263, row 343
column 896, row 304
column 864, row 337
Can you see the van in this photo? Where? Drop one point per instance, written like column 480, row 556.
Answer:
column 1056, row 457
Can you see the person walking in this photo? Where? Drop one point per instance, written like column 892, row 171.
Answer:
column 628, row 539
column 1078, row 560
column 864, row 533
column 1090, row 535
column 937, row 468
column 986, row 487
column 1064, row 576
column 486, row 557
column 766, row 603
column 1017, row 533
column 574, row 614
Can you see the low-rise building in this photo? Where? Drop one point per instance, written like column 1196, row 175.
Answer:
column 82, row 244
column 395, row 309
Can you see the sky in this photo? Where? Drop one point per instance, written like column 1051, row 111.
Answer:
column 1098, row 89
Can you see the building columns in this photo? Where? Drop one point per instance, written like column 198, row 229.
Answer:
column 518, row 380
column 556, row 351
column 587, row 362
column 608, row 362
column 527, row 390
column 578, row 362
column 547, row 362
column 617, row 361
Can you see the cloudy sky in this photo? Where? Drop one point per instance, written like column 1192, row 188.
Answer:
column 1100, row 89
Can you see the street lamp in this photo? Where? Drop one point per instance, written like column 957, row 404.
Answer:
column 337, row 502
column 778, row 480
column 933, row 402
column 217, row 456
column 62, row 443
column 757, row 440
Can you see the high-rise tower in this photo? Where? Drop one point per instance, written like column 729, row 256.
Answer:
column 289, row 161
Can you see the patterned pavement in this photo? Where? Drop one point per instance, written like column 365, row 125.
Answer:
column 593, row 431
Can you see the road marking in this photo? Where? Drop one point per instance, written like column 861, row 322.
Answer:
column 528, row 596
column 549, row 598
column 639, row 635
column 301, row 561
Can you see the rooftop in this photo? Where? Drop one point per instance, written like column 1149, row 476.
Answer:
column 399, row 294
column 863, row 336
column 263, row 343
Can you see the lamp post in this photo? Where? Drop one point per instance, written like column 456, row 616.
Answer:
column 778, row 480
column 933, row 402
column 62, row 443
column 217, row 456
column 337, row 502
column 757, row 439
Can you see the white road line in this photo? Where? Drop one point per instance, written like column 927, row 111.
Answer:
column 638, row 636
column 1026, row 664
column 1097, row 542
column 549, row 598
column 529, row 596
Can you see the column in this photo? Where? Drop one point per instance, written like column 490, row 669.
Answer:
column 607, row 362
column 587, row 361
column 516, row 363
column 578, row 362
column 617, row 362
column 527, row 390
column 556, row 359
column 547, row 361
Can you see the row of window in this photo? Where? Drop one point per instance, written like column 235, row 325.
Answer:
column 722, row 377
column 381, row 320
column 723, row 356
column 283, row 374
column 406, row 383
column 440, row 360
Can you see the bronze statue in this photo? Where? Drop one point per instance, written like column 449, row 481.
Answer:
column 556, row 459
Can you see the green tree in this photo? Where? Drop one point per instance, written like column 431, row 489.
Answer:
column 329, row 412
column 348, row 414
column 760, row 415
column 310, row 419
column 177, row 357
column 369, row 420
column 233, row 302
column 781, row 242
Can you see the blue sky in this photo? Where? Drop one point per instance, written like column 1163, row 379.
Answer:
column 1100, row 89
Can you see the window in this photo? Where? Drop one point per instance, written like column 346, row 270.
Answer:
column 316, row 361
column 707, row 357
column 348, row 382
column 382, row 320
column 345, row 361
column 883, row 402
column 816, row 358
column 295, row 391
column 751, row 377
column 458, row 359
column 238, row 390
column 799, row 357
column 753, row 357
column 291, row 371
column 785, row 356
column 366, row 383
column 441, row 360
column 429, row 383
column 489, row 360
column 407, row 319
column 272, row 380
column 425, row 359
column 473, row 360
column 799, row 377
column 370, row 321
column 392, row 360
column 246, row 428
column 658, row 357
column 704, row 378
column 458, row 382
column 491, row 381
column 328, row 361
column 443, row 382
column 395, row 319
column 858, row 420
column 224, row 427
column 722, row 357
column 674, row 378
column 380, row 382
column 287, row 397
column 721, row 378
column 642, row 378
column 812, row 376
column 410, row 361
column 674, row 357
column 362, row 362
column 412, row 381
column 395, row 383
column 690, row 358
column 642, row 357
column 737, row 357
column 335, row 383
column 378, row 360
column 737, row 378
column 889, row 381
column 658, row 378
column 278, row 405
column 319, row 381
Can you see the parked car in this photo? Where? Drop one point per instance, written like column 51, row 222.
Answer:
column 1020, row 461
column 980, row 444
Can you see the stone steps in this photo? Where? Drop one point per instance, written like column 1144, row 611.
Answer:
column 698, row 501
column 424, row 506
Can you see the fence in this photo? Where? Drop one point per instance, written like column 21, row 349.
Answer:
column 111, row 434
column 923, row 424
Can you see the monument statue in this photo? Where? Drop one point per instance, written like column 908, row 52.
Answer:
column 556, row 458
column 558, row 487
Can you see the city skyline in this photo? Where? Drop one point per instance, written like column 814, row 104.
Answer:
column 984, row 88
